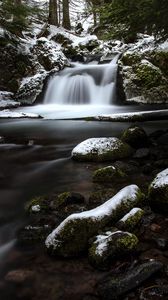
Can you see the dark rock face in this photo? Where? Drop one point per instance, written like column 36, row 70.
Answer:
column 14, row 66
column 114, row 287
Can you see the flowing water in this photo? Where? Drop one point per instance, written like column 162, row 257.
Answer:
column 37, row 159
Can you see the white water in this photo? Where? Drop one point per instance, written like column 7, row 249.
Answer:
column 84, row 84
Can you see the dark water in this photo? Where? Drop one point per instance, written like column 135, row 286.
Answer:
column 37, row 161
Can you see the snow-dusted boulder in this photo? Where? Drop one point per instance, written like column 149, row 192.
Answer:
column 131, row 220
column 108, row 174
column 158, row 191
column 71, row 236
column 101, row 149
column 110, row 245
column 135, row 136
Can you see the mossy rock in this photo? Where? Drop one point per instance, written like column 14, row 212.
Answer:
column 101, row 149
column 100, row 196
column 108, row 174
column 67, row 198
column 135, row 136
column 38, row 204
column 129, row 59
column 158, row 192
column 71, row 237
column 148, row 76
column 131, row 220
column 110, row 245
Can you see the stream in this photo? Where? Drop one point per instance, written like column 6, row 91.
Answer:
column 37, row 161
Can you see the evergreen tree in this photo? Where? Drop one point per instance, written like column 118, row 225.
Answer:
column 14, row 16
column 126, row 18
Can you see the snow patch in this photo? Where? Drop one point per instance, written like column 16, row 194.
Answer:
column 161, row 180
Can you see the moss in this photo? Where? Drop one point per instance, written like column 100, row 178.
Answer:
column 127, row 242
column 158, row 198
column 108, row 174
column 148, row 76
column 130, row 59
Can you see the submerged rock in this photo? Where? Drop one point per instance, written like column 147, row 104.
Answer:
column 109, row 245
column 158, row 191
column 115, row 286
column 130, row 220
column 135, row 137
column 108, row 174
column 71, row 236
column 101, row 149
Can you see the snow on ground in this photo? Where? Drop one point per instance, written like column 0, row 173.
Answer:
column 161, row 180
column 6, row 114
column 133, row 115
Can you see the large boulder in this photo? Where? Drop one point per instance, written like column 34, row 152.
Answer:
column 145, row 77
column 101, row 149
column 158, row 191
column 135, row 136
column 71, row 236
column 109, row 245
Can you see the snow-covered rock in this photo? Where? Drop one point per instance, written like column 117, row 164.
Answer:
column 110, row 245
column 71, row 236
column 131, row 220
column 158, row 191
column 101, row 149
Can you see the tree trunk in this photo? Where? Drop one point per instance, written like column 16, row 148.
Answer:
column 53, row 15
column 66, row 18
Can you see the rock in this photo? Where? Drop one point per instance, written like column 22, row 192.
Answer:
column 100, row 196
column 38, row 204
column 71, row 237
column 2, row 140
column 111, row 245
column 144, row 79
column 162, row 243
column 130, row 220
column 136, row 137
column 67, row 198
column 101, row 149
column 33, row 234
column 158, row 191
column 155, row 227
column 155, row 292
column 142, row 153
column 115, row 286
column 19, row 276
column 108, row 174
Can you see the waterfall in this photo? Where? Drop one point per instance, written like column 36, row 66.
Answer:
column 84, row 84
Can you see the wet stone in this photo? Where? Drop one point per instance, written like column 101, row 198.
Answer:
column 112, row 287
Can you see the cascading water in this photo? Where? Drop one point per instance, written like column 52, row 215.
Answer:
column 84, row 84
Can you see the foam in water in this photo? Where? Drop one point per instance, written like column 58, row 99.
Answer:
column 84, row 84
